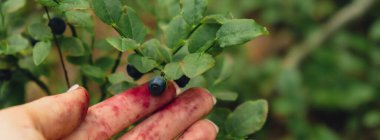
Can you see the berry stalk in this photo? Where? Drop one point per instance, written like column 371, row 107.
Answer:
column 59, row 52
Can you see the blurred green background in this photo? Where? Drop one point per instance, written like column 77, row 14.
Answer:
column 319, row 68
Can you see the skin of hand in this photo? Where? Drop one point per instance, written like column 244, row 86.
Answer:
column 68, row 116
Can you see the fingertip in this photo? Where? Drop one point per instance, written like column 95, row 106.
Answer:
column 213, row 124
column 203, row 92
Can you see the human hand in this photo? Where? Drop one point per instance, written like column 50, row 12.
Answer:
column 67, row 116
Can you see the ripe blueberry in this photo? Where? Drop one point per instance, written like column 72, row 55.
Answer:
column 57, row 25
column 182, row 82
column 157, row 86
column 133, row 72
column 5, row 75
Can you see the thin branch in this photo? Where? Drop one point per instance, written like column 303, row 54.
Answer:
column 73, row 30
column 339, row 20
column 59, row 52
column 176, row 50
column 41, row 84
column 117, row 62
column 103, row 89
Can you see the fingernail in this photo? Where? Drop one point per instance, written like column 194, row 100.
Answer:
column 177, row 88
column 215, row 126
column 213, row 97
column 74, row 87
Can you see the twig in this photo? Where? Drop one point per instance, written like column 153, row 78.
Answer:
column 41, row 84
column 188, row 35
column 117, row 62
column 59, row 52
column 103, row 89
column 340, row 19
column 73, row 30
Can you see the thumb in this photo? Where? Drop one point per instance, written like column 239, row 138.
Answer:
column 57, row 116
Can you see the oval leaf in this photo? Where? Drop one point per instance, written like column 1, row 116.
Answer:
column 71, row 5
column 40, row 51
column 11, row 6
column 176, row 32
column 122, row 44
column 117, row 78
column 130, row 26
column 193, row 10
column 16, row 43
column 247, row 118
column 203, row 37
column 142, row 64
column 80, row 19
column 72, row 46
column 239, row 31
column 93, row 71
column 215, row 19
column 108, row 11
column 40, row 31
column 196, row 64
column 155, row 51
column 173, row 71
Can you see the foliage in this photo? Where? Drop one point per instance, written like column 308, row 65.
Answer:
column 187, row 41
column 331, row 94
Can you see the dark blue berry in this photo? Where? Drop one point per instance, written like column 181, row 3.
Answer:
column 57, row 25
column 183, row 81
column 133, row 72
column 157, row 86
column 5, row 75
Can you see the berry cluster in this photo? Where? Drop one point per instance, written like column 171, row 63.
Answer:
column 158, row 84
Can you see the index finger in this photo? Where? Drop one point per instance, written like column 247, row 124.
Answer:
column 107, row 118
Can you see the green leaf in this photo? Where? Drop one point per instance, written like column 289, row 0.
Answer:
column 173, row 71
column 219, row 116
column 40, row 51
column 142, row 64
column 215, row 19
column 104, row 63
column 225, row 95
column 239, row 31
column 130, row 26
column 93, row 71
column 120, row 87
column 203, row 38
column 374, row 31
column 247, row 118
column 155, row 51
column 199, row 81
column 16, row 43
column 48, row 3
column 193, row 10
column 72, row 46
column 108, row 11
column 71, row 5
column 196, row 64
column 78, row 60
column 11, row 6
column 40, row 31
column 176, row 32
column 80, row 19
column 122, row 44
column 117, row 78
column 221, row 71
